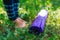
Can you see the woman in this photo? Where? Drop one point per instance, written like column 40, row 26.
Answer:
column 11, row 7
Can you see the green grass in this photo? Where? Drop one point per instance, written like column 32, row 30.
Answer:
column 28, row 9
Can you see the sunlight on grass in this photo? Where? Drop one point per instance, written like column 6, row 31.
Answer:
column 2, row 11
column 1, row 21
column 28, row 10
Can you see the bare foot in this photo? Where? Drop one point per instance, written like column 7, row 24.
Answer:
column 20, row 23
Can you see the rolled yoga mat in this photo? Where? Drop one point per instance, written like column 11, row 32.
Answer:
column 38, row 24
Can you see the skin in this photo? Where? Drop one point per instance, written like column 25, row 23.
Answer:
column 20, row 23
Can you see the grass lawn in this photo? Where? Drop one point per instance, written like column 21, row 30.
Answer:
column 28, row 9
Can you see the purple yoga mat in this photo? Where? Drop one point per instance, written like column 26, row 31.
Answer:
column 38, row 24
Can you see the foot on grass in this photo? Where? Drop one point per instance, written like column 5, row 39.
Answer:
column 20, row 23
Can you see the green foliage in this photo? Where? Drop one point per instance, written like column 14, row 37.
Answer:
column 28, row 9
